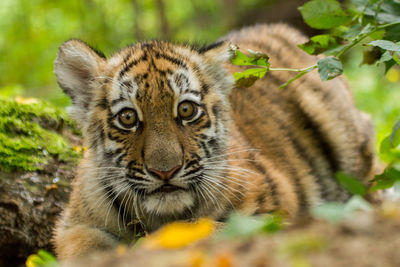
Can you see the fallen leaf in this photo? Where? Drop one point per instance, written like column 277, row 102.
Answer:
column 180, row 234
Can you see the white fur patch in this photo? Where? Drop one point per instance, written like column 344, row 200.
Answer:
column 168, row 203
column 181, row 94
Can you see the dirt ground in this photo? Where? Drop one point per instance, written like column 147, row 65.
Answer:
column 366, row 239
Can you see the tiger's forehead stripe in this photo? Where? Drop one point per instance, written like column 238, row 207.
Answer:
column 123, row 94
column 183, row 70
column 149, row 52
column 178, row 56
column 184, row 81
column 128, row 66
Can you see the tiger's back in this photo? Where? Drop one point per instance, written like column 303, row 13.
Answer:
column 308, row 131
column 169, row 138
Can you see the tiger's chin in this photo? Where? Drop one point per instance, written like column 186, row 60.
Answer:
column 168, row 203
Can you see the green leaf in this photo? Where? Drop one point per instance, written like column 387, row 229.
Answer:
column 324, row 40
column 385, row 57
column 329, row 68
column 255, row 59
column 389, row 64
column 378, row 34
column 332, row 212
column 323, row 14
column 272, row 223
column 358, row 30
column 240, row 59
column 41, row 259
column 310, row 48
column 388, row 10
column 388, row 152
column 386, row 180
column 336, row 212
column 248, row 77
column 319, row 44
column 385, row 150
column 395, row 135
column 351, row 184
column 396, row 58
column 385, row 146
column 336, row 50
column 392, row 33
column 259, row 58
column 367, row 29
column 382, row 182
column 357, row 203
column 240, row 225
column 352, row 32
column 385, row 44
column 46, row 256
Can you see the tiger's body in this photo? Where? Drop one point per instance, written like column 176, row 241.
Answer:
column 169, row 138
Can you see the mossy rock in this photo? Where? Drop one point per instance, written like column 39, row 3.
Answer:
column 39, row 149
column 31, row 135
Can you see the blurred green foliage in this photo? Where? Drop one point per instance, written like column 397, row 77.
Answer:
column 241, row 225
column 32, row 31
column 374, row 92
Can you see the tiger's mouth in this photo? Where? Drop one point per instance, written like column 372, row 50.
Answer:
column 167, row 188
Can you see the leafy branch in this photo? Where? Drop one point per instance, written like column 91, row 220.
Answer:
column 364, row 18
column 348, row 26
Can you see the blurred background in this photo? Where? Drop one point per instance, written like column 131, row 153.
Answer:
column 32, row 30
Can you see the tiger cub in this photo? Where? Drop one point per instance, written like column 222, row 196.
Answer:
column 170, row 138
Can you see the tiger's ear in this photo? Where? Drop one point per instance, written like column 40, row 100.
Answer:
column 219, row 52
column 76, row 67
column 216, row 57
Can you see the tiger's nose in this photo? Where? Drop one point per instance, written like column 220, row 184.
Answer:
column 165, row 175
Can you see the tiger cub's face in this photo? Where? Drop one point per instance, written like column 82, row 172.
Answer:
column 155, row 117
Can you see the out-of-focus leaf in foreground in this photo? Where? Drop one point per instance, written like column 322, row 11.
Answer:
column 179, row 234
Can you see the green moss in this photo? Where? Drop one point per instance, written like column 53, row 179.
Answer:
column 30, row 135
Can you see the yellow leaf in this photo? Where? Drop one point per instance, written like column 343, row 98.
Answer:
column 179, row 234
column 34, row 261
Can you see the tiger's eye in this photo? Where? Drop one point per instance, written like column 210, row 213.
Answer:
column 127, row 117
column 187, row 110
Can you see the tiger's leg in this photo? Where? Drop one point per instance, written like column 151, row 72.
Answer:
column 80, row 240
